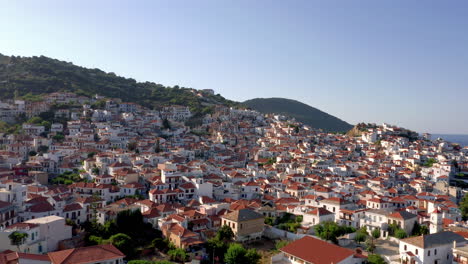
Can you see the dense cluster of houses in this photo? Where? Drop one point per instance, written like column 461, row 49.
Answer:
column 235, row 168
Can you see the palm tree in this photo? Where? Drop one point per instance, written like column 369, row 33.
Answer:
column 17, row 239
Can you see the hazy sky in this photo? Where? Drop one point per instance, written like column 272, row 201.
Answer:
column 401, row 62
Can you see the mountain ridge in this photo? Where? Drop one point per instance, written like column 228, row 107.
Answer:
column 300, row 111
column 40, row 75
column 37, row 75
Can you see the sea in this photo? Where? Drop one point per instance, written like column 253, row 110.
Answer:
column 460, row 139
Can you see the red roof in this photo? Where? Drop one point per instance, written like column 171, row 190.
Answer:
column 317, row 251
column 90, row 254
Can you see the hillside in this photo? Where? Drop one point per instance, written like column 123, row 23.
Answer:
column 21, row 76
column 302, row 112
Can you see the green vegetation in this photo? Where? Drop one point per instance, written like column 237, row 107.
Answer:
column 419, row 230
column 17, row 239
column 236, row 253
column 280, row 244
column 162, row 244
column 67, row 178
column 58, row 137
column 331, row 231
column 370, row 244
column 395, row 231
column 223, row 250
column 177, row 254
column 218, row 246
column 429, row 162
column 9, row 128
column 464, row 207
column 127, row 232
column 400, row 233
column 30, row 77
column 361, row 235
column 121, row 241
column 300, row 111
column 287, row 221
column 375, row 259
column 149, row 262
column 376, row 233
column 166, row 124
column 225, row 233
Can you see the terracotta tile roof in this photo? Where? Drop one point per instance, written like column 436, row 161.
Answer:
column 317, row 251
column 72, row 207
column 41, row 207
column 402, row 215
column 83, row 255
column 320, row 211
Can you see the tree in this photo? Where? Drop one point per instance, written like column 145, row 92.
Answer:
column 123, row 242
column 95, row 171
column 46, row 124
column 225, row 233
column 35, row 120
column 129, row 221
column 330, row 231
column 299, row 218
column 149, row 262
column 429, row 162
column 177, row 254
column 132, row 146
column 361, row 235
column 59, row 137
column 370, row 244
column 375, row 259
column 95, row 240
column 216, row 248
column 43, row 148
column 166, row 124
column 269, row 220
column 464, row 207
column 17, row 239
column 376, row 233
column 423, row 230
column 157, row 148
column 235, row 254
column 392, row 228
column 252, row 256
column 280, row 244
column 400, row 233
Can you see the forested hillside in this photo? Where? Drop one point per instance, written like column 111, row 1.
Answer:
column 20, row 76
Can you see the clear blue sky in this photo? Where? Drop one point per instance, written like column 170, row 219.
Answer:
column 401, row 62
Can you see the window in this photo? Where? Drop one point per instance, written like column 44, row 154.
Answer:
column 416, row 251
column 428, row 253
column 435, row 251
column 405, row 247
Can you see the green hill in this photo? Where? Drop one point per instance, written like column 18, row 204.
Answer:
column 28, row 77
column 300, row 111
column 20, row 76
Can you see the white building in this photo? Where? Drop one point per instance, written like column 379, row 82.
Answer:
column 434, row 248
column 52, row 230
